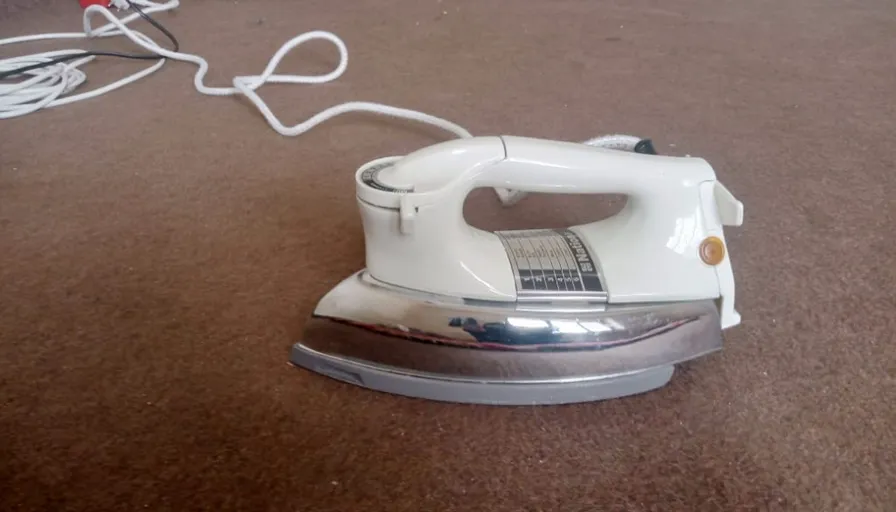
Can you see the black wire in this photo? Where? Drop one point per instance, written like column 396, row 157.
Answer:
column 139, row 56
column 156, row 24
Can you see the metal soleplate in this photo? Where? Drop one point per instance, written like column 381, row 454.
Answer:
column 442, row 348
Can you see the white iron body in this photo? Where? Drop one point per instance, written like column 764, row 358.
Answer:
column 450, row 312
column 649, row 252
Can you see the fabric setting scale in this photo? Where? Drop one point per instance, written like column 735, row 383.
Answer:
column 449, row 312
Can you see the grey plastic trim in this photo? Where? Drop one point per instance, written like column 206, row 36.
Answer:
column 437, row 387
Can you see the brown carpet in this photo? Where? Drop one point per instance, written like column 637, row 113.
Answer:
column 160, row 251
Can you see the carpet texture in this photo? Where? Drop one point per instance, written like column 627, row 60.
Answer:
column 160, row 250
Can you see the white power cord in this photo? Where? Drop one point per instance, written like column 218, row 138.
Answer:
column 52, row 85
column 47, row 87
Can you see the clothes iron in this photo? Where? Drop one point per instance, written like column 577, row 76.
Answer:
column 449, row 312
